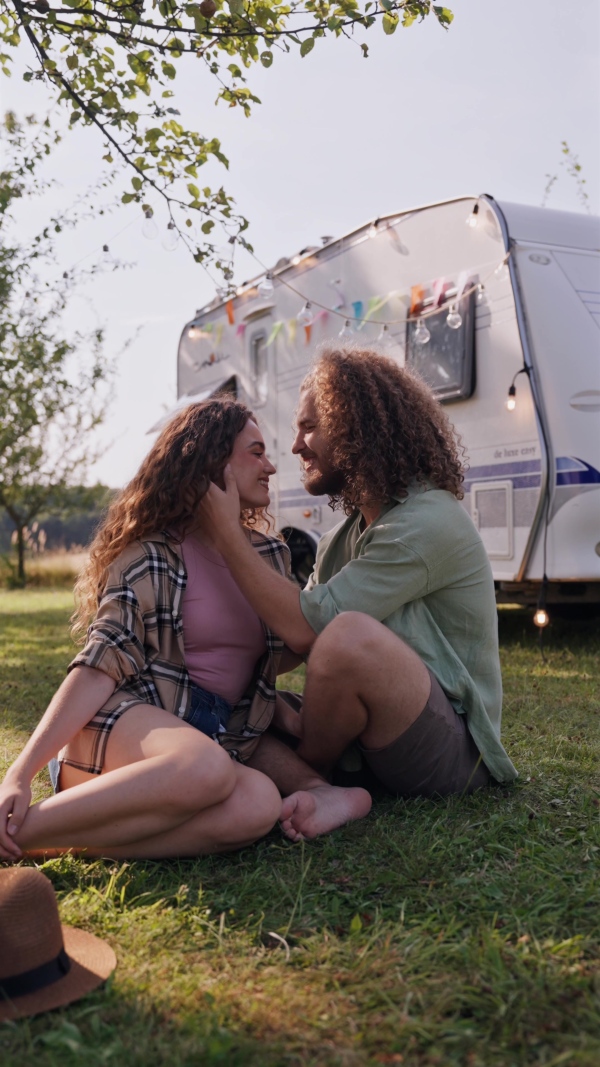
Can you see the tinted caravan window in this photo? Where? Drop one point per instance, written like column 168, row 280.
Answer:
column 447, row 361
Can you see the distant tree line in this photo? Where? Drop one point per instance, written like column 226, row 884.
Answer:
column 69, row 524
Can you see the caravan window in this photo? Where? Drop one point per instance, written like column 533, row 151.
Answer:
column 447, row 361
column 258, row 367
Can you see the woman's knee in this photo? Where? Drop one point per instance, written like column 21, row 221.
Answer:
column 258, row 803
column 204, row 773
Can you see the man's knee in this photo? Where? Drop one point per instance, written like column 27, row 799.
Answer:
column 345, row 642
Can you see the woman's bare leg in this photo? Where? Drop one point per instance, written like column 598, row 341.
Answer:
column 159, row 774
column 249, row 813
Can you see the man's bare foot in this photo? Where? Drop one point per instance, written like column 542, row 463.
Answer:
column 319, row 810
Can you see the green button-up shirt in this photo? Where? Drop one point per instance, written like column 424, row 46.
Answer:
column 421, row 569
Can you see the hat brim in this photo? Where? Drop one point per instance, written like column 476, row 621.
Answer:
column 92, row 961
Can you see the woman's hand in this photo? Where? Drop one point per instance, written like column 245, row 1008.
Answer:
column 219, row 510
column 15, row 798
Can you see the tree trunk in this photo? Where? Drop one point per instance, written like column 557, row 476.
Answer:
column 20, row 524
column 21, row 578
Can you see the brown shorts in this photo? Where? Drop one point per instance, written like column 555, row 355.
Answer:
column 436, row 756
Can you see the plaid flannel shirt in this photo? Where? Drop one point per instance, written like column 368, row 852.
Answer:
column 137, row 639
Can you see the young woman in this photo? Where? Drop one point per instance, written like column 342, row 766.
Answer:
column 176, row 683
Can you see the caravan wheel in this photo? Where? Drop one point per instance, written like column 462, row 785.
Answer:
column 303, row 549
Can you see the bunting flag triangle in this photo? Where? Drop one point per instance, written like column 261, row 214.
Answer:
column 438, row 291
column 275, row 330
column 461, row 283
column 374, row 304
column 417, row 293
column 308, row 331
column 292, row 326
column 219, row 333
column 230, row 313
column 357, row 307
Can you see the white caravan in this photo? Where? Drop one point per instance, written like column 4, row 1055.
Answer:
column 510, row 298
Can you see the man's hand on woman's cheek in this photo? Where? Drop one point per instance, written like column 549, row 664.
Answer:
column 220, row 509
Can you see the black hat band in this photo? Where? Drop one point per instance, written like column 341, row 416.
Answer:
column 30, row 981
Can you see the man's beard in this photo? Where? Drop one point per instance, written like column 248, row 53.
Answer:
column 323, row 483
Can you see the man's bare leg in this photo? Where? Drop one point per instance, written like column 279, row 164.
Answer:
column 320, row 806
column 363, row 683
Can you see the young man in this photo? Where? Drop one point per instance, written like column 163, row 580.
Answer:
column 399, row 615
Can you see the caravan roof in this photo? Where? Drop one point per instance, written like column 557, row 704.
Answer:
column 545, row 226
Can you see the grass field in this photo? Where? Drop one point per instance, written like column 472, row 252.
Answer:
column 459, row 932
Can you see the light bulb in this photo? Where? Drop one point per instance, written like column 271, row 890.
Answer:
column 384, row 336
column 541, row 618
column 373, row 230
column 471, row 219
column 511, row 402
column 501, row 271
column 453, row 320
column 149, row 228
column 421, row 335
column 305, row 317
column 171, row 238
column 107, row 259
column 480, row 295
column 346, row 331
column 265, row 288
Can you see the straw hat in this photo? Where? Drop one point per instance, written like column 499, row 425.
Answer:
column 43, row 964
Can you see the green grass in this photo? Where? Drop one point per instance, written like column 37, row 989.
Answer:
column 459, row 932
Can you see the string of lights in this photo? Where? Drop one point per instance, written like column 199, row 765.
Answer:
column 448, row 302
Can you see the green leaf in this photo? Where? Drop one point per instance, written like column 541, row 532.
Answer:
column 237, row 7
column 194, row 191
column 266, row 58
column 72, row 62
column 444, row 15
column 207, row 226
column 137, row 183
column 389, row 23
column 307, row 46
column 127, row 198
column 356, row 925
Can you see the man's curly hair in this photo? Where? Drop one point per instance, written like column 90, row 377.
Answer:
column 385, row 427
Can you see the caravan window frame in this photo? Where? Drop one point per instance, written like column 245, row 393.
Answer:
column 254, row 339
column 464, row 385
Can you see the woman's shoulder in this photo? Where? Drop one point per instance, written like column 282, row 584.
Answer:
column 155, row 550
column 259, row 539
column 271, row 548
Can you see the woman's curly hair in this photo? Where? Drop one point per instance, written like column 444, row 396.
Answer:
column 188, row 455
column 384, row 425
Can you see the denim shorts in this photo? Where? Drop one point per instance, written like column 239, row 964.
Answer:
column 208, row 713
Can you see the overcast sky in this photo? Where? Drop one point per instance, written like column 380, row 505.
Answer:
column 338, row 140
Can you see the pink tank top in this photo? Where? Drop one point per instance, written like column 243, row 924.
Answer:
column 223, row 636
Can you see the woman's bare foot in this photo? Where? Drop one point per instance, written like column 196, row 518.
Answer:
column 320, row 810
